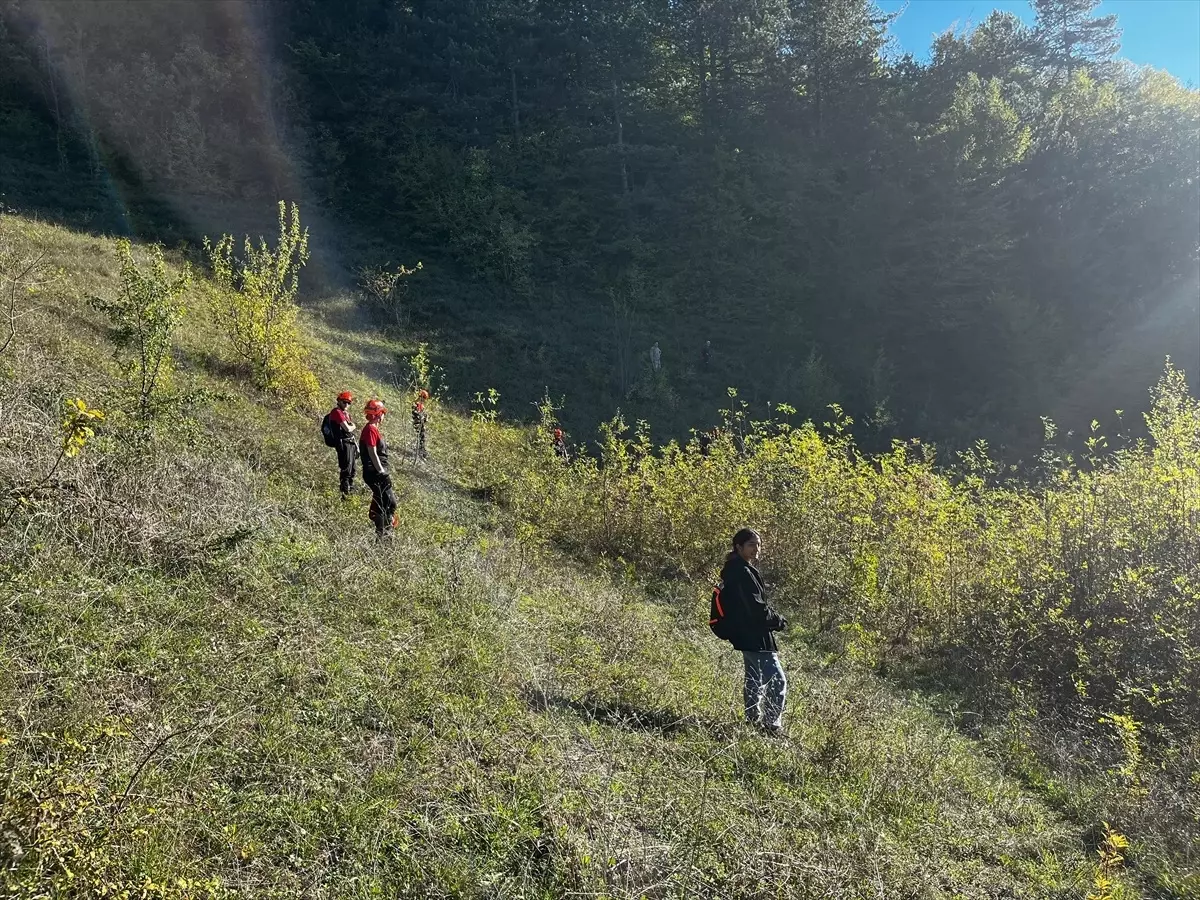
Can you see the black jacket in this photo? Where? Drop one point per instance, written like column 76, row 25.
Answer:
column 752, row 623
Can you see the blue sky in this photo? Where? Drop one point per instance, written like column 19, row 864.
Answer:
column 1161, row 33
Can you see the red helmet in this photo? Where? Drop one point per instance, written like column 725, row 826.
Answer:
column 374, row 409
column 557, row 434
column 423, row 394
column 345, row 397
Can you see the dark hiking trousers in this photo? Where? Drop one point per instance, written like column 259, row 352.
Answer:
column 383, row 502
column 347, row 454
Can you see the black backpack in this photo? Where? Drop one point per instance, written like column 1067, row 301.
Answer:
column 328, row 432
column 717, row 620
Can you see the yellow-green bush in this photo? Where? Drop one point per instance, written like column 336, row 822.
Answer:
column 1084, row 586
column 256, row 306
column 1072, row 595
column 73, row 829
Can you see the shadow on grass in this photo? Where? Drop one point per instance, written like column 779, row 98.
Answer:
column 214, row 364
column 71, row 316
column 420, row 471
column 625, row 715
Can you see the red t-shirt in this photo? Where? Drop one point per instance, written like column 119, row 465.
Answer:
column 372, row 438
column 339, row 416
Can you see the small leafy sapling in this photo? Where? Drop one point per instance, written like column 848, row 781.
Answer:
column 145, row 316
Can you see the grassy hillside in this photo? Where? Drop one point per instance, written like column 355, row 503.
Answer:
column 214, row 682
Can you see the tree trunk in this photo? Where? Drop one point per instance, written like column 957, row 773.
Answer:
column 620, row 138
column 516, row 113
column 52, row 84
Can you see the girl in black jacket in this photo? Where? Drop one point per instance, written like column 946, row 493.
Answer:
column 752, row 626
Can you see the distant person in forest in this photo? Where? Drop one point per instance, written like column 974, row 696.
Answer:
column 706, row 353
column 420, row 418
column 750, row 626
column 338, row 432
column 560, row 446
column 375, row 470
column 655, row 357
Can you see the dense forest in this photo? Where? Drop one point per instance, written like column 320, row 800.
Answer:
column 951, row 248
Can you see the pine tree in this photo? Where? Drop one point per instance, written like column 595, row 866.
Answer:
column 1072, row 38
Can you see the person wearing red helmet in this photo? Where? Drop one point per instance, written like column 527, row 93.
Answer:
column 375, row 469
column 338, row 431
column 560, row 446
column 420, row 418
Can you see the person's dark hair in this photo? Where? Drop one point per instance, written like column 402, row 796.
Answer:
column 740, row 538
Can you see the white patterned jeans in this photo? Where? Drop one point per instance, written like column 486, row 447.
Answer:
column 765, row 690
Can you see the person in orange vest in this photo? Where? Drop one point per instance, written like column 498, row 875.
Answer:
column 375, row 470
column 420, row 419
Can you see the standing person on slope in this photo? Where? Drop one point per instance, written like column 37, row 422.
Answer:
column 346, row 446
column 420, row 418
column 751, row 629
column 560, row 446
column 375, row 470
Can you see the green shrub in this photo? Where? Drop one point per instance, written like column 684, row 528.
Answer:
column 257, row 308
column 422, row 374
column 75, row 430
column 68, row 825
column 145, row 315
column 385, row 289
column 485, row 459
